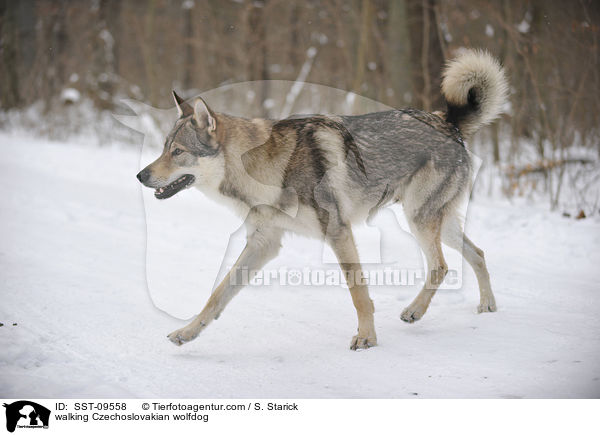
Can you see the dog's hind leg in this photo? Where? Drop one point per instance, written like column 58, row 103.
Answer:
column 454, row 237
column 262, row 245
column 342, row 242
column 428, row 235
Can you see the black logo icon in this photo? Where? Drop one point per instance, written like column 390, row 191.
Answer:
column 26, row 414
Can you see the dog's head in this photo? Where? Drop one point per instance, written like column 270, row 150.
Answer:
column 191, row 154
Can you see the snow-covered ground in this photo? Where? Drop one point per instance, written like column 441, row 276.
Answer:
column 73, row 230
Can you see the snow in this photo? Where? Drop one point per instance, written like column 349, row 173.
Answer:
column 188, row 4
column 75, row 277
column 70, row 95
column 523, row 26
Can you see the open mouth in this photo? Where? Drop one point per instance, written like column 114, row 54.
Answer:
column 177, row 185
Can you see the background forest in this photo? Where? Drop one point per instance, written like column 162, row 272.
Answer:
column 67, row 64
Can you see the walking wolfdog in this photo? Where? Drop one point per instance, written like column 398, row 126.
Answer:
column 317, row 175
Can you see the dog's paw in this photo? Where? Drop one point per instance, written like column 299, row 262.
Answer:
column 182, row 336
column 362, row 342
column 487, row 305
column 412, row 313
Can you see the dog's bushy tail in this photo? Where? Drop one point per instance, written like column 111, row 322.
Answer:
column 475, row 89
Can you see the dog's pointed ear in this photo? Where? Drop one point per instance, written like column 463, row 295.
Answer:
column 203, row 115
column 183, row 108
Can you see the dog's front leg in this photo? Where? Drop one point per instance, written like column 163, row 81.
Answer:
column 342, row 242
column 262, row 246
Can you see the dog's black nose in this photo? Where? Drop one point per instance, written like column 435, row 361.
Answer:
column 143, row 175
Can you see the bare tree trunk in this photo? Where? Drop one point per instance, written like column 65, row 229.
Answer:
column 293, row 53
column 427, row 57
column 9, row 84
column 506, row 57
column 495, row 129
column 103, row 67
column 145, row 35
column 48, row 72
column 257, row 46
column 188, row 36
column 363, row 45
column 399, row 49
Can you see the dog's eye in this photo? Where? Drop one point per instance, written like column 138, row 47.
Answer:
column 177, row 151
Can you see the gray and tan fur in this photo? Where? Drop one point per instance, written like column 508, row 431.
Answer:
column 317, row 175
